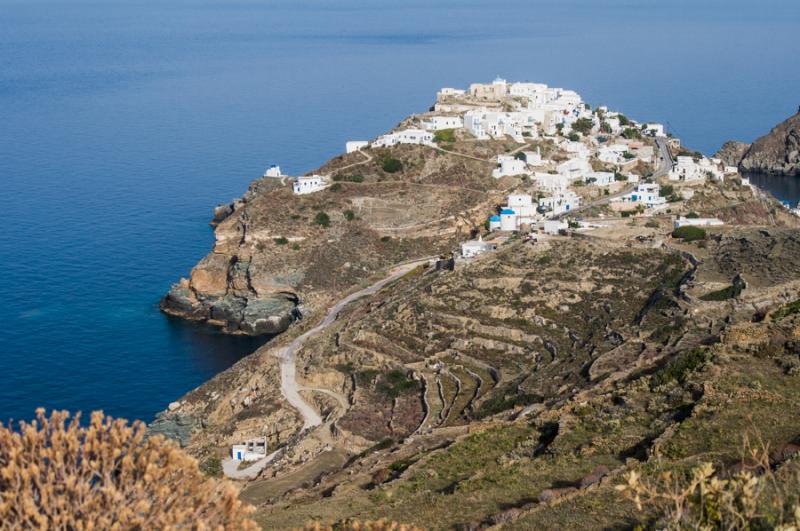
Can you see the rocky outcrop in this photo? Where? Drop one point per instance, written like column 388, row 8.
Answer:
column 732, row 152
column 776, row 153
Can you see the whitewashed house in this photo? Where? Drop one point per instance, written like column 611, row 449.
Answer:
column 600, row 178
column 437, row 123
column 509, row 165
column 687, row 169
column 273, row 171
column 551, row 182
column 477, row 247
column 697, row 222
column 560, row 203
column 252, row 450
column 309, row 184
column 473, row 122
column 355, row 145
column 449, row 92
column 554, row 227
column 509, row 221
column 494, row 223
column 612, row 154
column 574, row 169
column 406, row 136
column 646, row 194
column 654, row 129
column 523, row 207
column 533, row 158
column 496, row 90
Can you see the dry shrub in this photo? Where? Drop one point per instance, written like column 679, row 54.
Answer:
column 752, row 498
column 57, row 474
column 366, row 525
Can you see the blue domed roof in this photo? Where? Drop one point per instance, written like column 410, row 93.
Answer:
column 507, row 211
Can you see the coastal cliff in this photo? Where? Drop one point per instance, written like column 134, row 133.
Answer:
column 278, row 256
column 776, row 153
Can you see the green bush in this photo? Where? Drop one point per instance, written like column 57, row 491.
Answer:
column 689, row 233
column 666, row 190
column 280, row 240
column 349, row 215
column 692, row 215
column 336, row 187
column 652, row 224
column 787, row 309
column 619, row 177
column 322, row 219
column 623, row 120
column 628, row 155
column 395, row 383
column 349, row 178
column 574, row 137
column 386, row 238
column 391, row 165
column 681, row 367
column 445, row 136
column 731, row 292
column 631, row 133
column 583, row 125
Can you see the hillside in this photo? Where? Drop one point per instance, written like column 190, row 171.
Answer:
column 518, row 387
column 777, row 152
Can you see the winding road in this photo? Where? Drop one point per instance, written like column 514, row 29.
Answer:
column 289, row 386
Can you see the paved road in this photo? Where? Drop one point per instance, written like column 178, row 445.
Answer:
column 664, row 167
column 289, row 386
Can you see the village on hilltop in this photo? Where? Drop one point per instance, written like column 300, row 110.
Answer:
column 628, row 164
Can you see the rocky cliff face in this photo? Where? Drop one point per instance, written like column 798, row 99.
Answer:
column 777, row 152
column 732, row 152
column 278, row 255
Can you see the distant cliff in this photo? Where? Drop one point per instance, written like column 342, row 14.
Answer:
column 776, row 153
column 732, row 152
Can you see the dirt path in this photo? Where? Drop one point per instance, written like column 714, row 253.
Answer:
column 230, row 467
column 289, row 386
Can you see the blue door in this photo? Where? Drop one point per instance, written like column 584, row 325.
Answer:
column 238, row 456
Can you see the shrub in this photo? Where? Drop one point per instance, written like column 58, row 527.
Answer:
column 619, row 177
column 57, row 474
column 280, row 240
column 322, row 219
column 349, row 178
column 787, row 309
column 681, row 367
column 689, row 233
column 391, row 165
column 395, row 383
column 336, row 187
column 692, row 215
column 295, row 247
column 623, row 120
column 445, row 136
column 666, row 190
column 349, row 215
column 574, row 137
column 583, row 125
column 365, row 525
column 628, row 155
column 385, row 239
column 730, row 292
column 652, row 224
column 631, row 133
column 700, row 499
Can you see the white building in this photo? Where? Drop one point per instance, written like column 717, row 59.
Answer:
column 688, row 169
column 406, row 136
column 309, row 184
column 612, row 154
column 473, row 248
column 252, row 450
column 494, row 223
column 554, row 227
column 509, row 221
column 574, row 169
column 273, row 171
column 533, row 158
column 697, row 222
column 355, row 145
column 600, row 178
column 448, row 91
column 560, row 203
column 523, row 207
column 654, row 129
column 551, row 182
column 437, row 123
column 509, row 165
column 647, row 194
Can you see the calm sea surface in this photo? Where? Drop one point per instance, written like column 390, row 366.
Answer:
column 124, row 122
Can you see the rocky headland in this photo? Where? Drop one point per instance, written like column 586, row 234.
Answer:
column 776, row 153
column 516, row 388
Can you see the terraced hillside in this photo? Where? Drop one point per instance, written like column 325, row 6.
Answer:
column 520, row 387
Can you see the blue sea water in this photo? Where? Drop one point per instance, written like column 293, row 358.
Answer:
column 124, row 122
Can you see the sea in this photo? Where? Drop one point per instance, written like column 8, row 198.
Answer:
column 124, row 122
